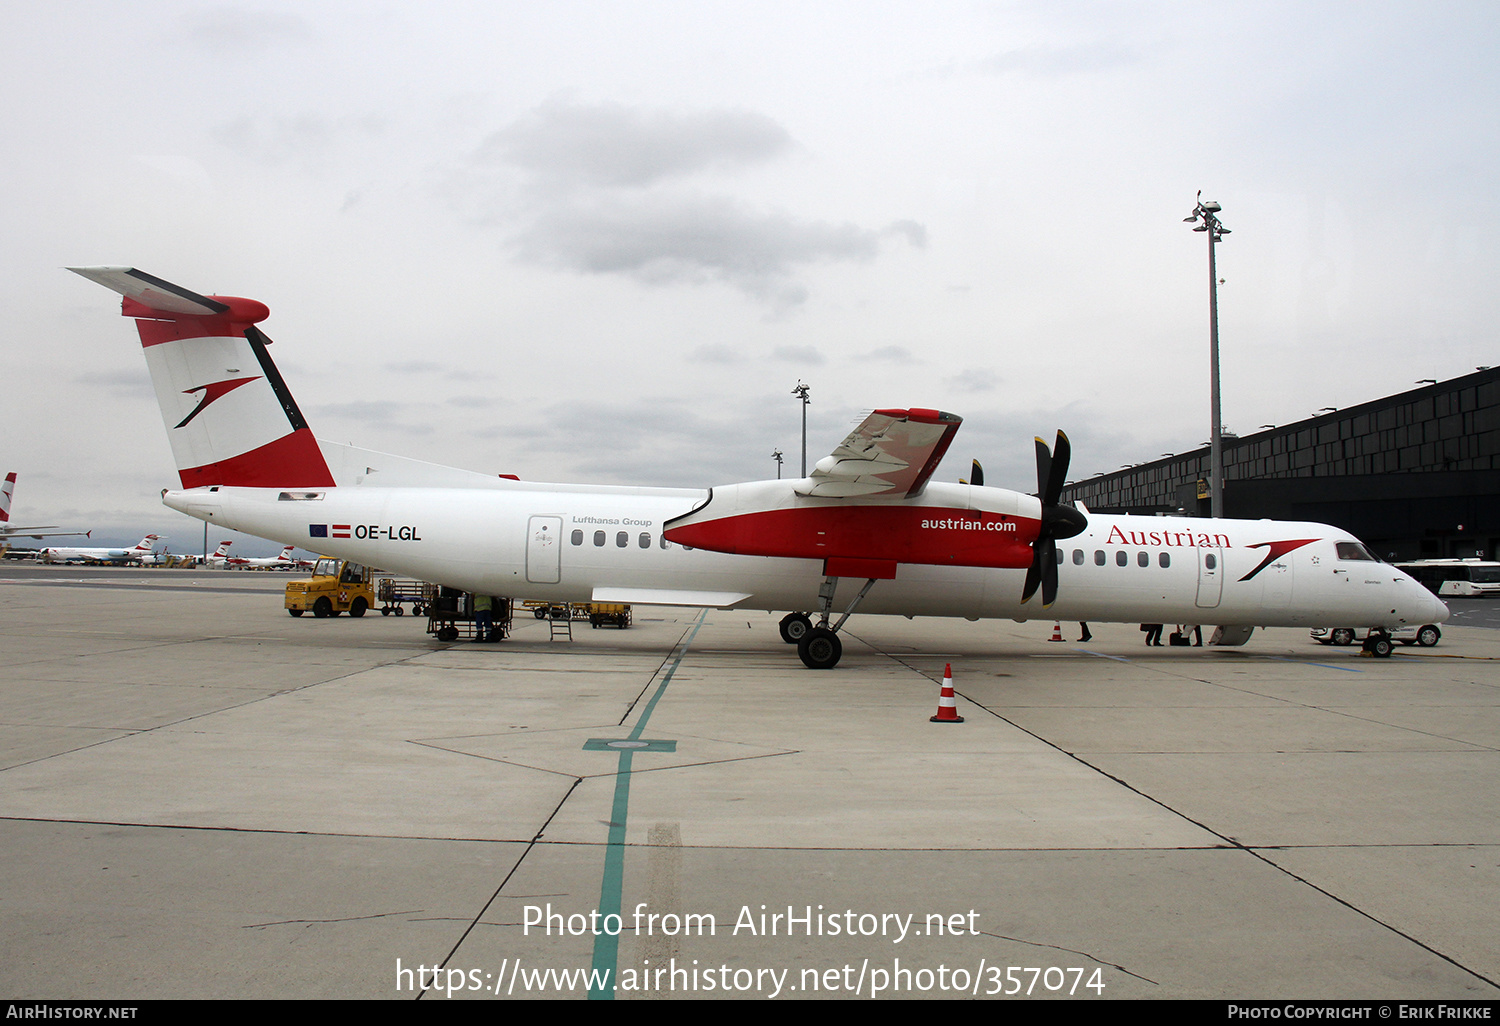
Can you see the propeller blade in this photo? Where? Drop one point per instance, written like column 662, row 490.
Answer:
column 1062, row 454
column 976, row 475
column 1058, row 521
column 1049, row 574
column 1033, row 573
column 1043, row 469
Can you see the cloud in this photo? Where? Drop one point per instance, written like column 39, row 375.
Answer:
column 692, row 238
column 974, row 379
column 1059, row 60
column 609, row 144
column 716, row 354
column 305, row 139
column 892, row 354
column 914, row 233
column 123, row 384
column 229, row 30
column 799, row 354
column 609, row 189
column 379, row 413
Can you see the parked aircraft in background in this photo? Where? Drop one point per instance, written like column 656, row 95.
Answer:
column 62, row 554
column 867, row 530
column 10, row 533
column 281, row 561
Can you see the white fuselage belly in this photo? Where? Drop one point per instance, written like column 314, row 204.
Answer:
column 524, row 547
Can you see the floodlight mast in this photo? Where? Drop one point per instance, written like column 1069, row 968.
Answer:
column 1207, row 213
column 801, row 392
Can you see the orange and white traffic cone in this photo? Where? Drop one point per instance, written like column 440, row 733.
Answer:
column 947, row 704
column 1056, row 631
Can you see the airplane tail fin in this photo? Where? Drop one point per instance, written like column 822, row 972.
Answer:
column 7, row 492
column 228, row 413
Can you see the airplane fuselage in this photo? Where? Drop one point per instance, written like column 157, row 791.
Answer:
column 571, row 543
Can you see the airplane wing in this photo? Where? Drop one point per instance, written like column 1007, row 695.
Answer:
column 892, row 453
column 39, row 532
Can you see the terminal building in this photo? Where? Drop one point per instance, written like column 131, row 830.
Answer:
column 1415, row 475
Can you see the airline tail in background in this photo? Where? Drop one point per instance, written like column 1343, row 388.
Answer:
column 7, row 493
column 228, row 414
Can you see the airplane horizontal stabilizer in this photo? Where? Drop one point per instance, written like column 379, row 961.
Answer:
column 152, row 292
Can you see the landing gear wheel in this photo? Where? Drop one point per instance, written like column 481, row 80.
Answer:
column 358, row 607
column 1380, row 647
column 295, row 612
column 820, row 649
column 1428, row 636
column 794, row 627
column 322, row 608
column 1343, row 636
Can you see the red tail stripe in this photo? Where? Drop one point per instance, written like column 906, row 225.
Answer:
column 291, row 461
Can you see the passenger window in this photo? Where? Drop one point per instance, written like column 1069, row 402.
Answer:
column 598, row 537
column 1210, row 561
column 1078, row 557
column 664, row 541
column 1122, row 558
column 622, row 539
column 1143, row 558
column 1059, row 554
column 1164, row 559
column 577, row 537
column 1098, row 557
column 645, row 539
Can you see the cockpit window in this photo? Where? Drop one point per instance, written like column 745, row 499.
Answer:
column 1354, row 550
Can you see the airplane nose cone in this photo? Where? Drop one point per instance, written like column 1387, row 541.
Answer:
column 1440, row 611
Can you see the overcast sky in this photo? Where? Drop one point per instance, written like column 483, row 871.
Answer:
column 601, row 242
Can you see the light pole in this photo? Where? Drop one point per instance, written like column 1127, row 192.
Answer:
column 801, row 392
column 776, row 455
column 1208, row 214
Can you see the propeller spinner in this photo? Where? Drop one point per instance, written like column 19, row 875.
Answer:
column 1058, row 521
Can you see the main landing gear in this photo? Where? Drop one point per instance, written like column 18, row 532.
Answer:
column 819, row 647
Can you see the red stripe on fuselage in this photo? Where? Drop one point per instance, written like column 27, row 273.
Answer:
column 905, row 534
column 292, row 461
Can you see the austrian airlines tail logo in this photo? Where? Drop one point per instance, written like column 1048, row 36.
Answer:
column 1275, row 550
column 211, row 392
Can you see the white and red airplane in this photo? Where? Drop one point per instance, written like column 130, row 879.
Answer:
column 144, row 549
column 867, row 530
column 7, row 532
column 281, row 561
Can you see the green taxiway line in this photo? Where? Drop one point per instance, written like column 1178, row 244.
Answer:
column 607, row 945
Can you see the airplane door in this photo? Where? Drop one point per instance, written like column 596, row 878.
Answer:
column 544, row 550
column 1277, row 591
column 1210, row 576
